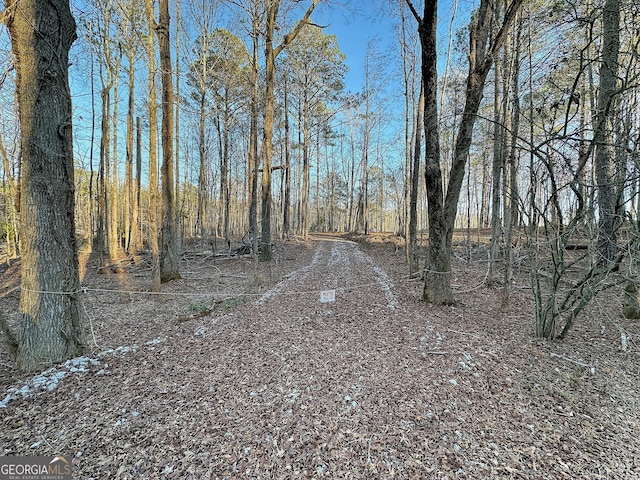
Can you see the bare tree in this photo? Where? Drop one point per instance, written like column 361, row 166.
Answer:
column 50, row 304
column 132, row 18
column 106, row 232
column 566, row 276
column 169, row 259
column 153, row 150
column 442, row 205
column 415, row 181
column 609, row 217
column 315, row 65
column 271, row 53
column 255, row 11
column 511, row 195
column 411, row 141
column 199, row 77
column 229, row 61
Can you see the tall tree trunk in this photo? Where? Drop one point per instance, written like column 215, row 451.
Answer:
column 331, row 226
column 202, row 170
column 442, row 210
column 103, row 240
column 103, row 169
column 306, row 168
column 366, row 142
column 352, row 180
column 218, row 124
column 437, row 287
column 92, row 202
column 497, row 166
column 136, row 240
column 224, row 171
column 415, row 180
column 176, row 106
column 115, row 247
column 50, row 304
column 317, row 199
column 609, row 219
column 253, row 139
column 153, row 153
column 409, row 100
column 271, row 54
column 267, row 140
column 512, row 199
column 169, row 259
column 287, row 167
column 129, row 225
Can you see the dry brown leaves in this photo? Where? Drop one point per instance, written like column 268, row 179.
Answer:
column 275, row 384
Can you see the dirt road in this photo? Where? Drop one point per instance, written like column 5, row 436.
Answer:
column 372, row 383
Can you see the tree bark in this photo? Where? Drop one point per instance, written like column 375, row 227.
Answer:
column 101, row 239
column 176, row 108
column 169, row 259
column 415, row 181
column 408, row 80
column 202, row 170
column 130, row 230
column 115, row 247
column 497, row 166
column 511, row 185
column 608, row 218
column 135, row 222
column 267, row 141
column 254, row 162
column 50, row 304
column 153, row 153
column 271, row 54
column 224, row 168
column 306, row 168
column 437, row 286
column 286, row 208
column 442, row 210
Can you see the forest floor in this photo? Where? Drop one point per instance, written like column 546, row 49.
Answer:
column 239, row 370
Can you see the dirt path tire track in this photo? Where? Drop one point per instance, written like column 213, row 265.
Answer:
column 336, row 265
column 376, row 385
column 318, row 384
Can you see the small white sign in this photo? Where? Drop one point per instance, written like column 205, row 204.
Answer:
column 328, row 296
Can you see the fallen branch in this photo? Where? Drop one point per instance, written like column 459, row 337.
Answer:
column 116, row 267
column 204, row 313
column 591, row 368
column 465, row 333
column 186, row 318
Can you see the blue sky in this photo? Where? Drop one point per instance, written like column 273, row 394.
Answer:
column 368, row 21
